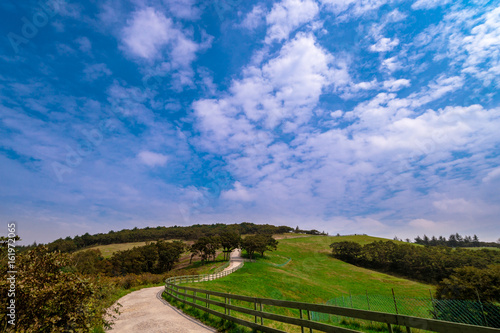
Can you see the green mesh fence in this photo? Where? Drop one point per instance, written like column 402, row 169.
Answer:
column 459, row 311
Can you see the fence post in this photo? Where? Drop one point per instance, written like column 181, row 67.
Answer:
column 225, row 307
column 261, row 319
column 301, row 326
column 482, row 309
column 389, row 327
column 395, row 304
column 309, row 318
column 255, row 308
column 229, row 310
column 338, row 318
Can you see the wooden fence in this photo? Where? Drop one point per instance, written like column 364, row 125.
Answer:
column 220, row 306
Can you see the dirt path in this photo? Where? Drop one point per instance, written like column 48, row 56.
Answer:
column 146, row 311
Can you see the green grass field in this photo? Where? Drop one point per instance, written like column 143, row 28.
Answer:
column 483, row 248
column 108, row 250
column 313, row 275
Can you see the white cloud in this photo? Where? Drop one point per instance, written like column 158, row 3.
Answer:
column 468, row 37
column 422, row 224
column 96, row 71
column 152, row 159
column 454, row 206
column 288, row 86
column 384, row 45
column 336, row 114
column 185, row 9
column 438, row 88
column 395, row 85
column 492, row 175
column 428, row 4
column 391, row 64
column 84, row 44
column 147, row 33
column 347, row 9
column 482, row 47
column 254, row 18
column 239, row 193
column 288, row 15
column 395, row 16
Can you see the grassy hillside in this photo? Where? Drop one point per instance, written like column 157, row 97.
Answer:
column 482, row 248
column 313, row 275
column 108, row 250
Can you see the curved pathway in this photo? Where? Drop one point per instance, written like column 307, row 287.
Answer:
column 146, row 311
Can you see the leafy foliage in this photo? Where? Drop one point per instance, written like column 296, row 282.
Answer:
column 472, row 283
column 465, row 272
column 455, row 240
column 193, row 232
column 259, row 244
column 50, row 297
column 206, row 247
column 157, row 258
column 229, row 241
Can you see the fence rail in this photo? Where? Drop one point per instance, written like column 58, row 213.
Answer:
column 459, row 311
column 202, row 277
column 254, row 306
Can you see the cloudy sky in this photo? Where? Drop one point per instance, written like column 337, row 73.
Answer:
column 348, row 116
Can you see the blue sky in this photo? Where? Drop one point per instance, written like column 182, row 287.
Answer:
column 353, row 116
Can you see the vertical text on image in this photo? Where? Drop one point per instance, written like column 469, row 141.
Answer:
column 11, row 273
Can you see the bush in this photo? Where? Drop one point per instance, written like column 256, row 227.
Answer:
column 50, row 297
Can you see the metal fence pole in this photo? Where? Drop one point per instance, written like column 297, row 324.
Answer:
column 394, row 298
column 482, row 309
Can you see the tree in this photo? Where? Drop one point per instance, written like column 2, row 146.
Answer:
column 89, row 262
column 475, row 241
column 229, row 240
column 452, row 240
column 50, row 297
column 168, row 254
column 206, row 247
column 265, row 243
column 471, row 283
column 259, row 244
column 249, row 244
column 346, row 251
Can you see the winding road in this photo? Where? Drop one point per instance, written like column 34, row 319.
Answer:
column 147, row 312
